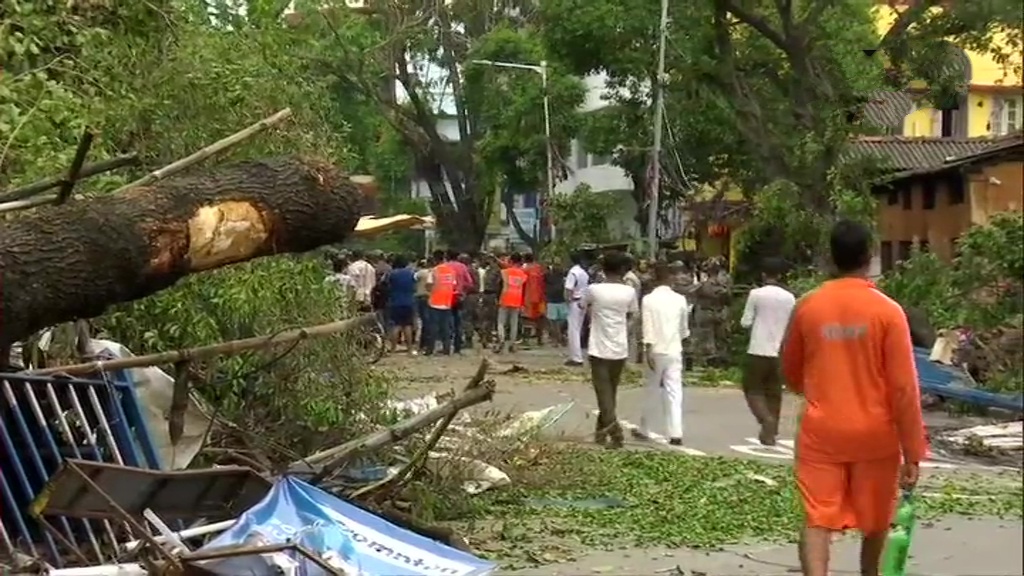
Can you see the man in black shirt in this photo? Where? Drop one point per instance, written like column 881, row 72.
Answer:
column 557, row 309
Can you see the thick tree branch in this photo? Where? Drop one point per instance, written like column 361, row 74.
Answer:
column 756, row 22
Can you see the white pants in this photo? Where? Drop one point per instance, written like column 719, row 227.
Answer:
column 664, row 397
column 576, row 315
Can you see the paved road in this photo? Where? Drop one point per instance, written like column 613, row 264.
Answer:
column 952, row 547
column 717, row 423
column 716, row 420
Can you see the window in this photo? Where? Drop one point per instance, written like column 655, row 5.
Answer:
column 928, row 194
column 885, row 255
column 904, row 251
column 957, row 193
column 907, row 197
column 924, row 246
column 1011, row 115
column 892, row 197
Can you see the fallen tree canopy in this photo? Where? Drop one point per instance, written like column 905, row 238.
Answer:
column 73, row 261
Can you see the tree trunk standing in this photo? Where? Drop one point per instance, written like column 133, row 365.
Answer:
column 73, row 261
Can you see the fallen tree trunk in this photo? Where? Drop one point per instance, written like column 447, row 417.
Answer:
column 75, row 260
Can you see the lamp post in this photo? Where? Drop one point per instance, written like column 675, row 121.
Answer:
column 659, row 115
column 541, row 69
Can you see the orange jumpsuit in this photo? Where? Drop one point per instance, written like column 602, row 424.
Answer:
column 848, row 352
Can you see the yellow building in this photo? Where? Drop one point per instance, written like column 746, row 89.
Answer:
column 994, row 104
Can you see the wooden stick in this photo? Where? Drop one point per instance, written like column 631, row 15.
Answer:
column 205, row 352
column 216, row 147
column 76, row 166
column 332, row 458
column 420, row 458
column 87, row 171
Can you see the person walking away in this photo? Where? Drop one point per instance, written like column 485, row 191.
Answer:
column 422, row 307
column 576, row 282
column 534, row 297
column 402, row 303
column 464, row 284
column 442, row 286
column 766, row 315
column 861, row 435
column 364, row 278
column 665, row 320
column 633, row 280
column 557, row 309
column 612, row 305
column 510, row 304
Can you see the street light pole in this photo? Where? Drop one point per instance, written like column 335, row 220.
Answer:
column 659, row 118
column 541, row 69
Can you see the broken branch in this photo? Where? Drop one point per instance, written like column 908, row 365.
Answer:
column 477, row 392
column 205, row 352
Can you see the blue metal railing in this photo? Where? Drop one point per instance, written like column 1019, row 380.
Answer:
column 951, row 383
column 44, row 419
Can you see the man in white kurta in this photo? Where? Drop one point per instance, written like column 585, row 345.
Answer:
column 665, row 319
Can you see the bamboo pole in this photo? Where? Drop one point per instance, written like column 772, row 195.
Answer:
column 87, row 171
column 216, row 147
column 22, row 197
column 206, row 352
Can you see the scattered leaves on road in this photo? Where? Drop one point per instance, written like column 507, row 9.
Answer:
column 576, row 499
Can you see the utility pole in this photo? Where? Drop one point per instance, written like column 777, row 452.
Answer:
column 659, row 118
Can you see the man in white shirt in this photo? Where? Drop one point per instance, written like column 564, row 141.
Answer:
column 612, row 305
column 364, row 278
column 665, row 319
column 766, row 314
column 576, row 282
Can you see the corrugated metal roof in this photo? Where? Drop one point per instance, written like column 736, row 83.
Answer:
column 914, row 153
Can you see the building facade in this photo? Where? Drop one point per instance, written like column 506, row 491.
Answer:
column 929, row 205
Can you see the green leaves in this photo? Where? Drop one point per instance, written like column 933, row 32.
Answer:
column 577, row 500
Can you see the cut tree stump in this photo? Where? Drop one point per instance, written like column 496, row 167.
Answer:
column 73, row 261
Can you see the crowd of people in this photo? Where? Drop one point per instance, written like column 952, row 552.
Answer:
column 846, row 348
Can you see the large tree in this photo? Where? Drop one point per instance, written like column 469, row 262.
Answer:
column 766, row 93
column 427, row 49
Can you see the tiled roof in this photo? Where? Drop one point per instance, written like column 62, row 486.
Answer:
column 914, row 153
column 887, row 109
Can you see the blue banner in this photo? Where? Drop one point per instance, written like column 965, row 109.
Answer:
column 344, row 535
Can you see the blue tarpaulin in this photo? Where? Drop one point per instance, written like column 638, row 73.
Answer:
column 345, row 535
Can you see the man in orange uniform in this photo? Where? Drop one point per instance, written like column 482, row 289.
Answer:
column 848, row 352
column 513, row 286
column 441, row 285
column 534, row 301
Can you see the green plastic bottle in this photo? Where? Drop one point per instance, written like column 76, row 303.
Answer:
column 897, row 544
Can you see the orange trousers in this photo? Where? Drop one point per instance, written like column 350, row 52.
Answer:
column 849, row 495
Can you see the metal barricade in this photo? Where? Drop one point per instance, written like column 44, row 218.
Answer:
column 44, row 419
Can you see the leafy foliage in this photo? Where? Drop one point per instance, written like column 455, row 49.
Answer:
column 983, row 287
column 582, row 218
column 303, row 396
column 453, row 122
column 566, row 499
column 165, row 79
column 763, row 95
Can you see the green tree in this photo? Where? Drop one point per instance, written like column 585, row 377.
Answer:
column 765, row 93
column 164, row 78
column 427, row 49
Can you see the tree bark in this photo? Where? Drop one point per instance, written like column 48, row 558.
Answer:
column 74, row 261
